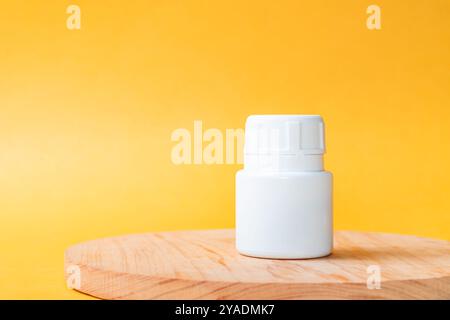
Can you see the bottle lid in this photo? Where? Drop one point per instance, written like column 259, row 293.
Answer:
column 284, row 143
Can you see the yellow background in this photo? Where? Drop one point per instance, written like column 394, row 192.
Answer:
column 86, row 116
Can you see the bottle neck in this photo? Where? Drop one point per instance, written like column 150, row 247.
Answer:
column 298, row 162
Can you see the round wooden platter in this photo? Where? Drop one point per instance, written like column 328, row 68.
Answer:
column 205, row 265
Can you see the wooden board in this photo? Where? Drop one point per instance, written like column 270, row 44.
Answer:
column 205, row 265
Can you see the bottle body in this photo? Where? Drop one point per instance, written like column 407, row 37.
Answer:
column 284, row 215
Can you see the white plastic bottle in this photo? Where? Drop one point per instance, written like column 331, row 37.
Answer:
column 283, row 194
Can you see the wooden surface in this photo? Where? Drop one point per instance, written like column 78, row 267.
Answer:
column 205, row 265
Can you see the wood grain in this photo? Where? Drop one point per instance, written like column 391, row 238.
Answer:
column 205, row 265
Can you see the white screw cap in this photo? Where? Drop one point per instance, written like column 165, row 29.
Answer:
column 284, row 143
